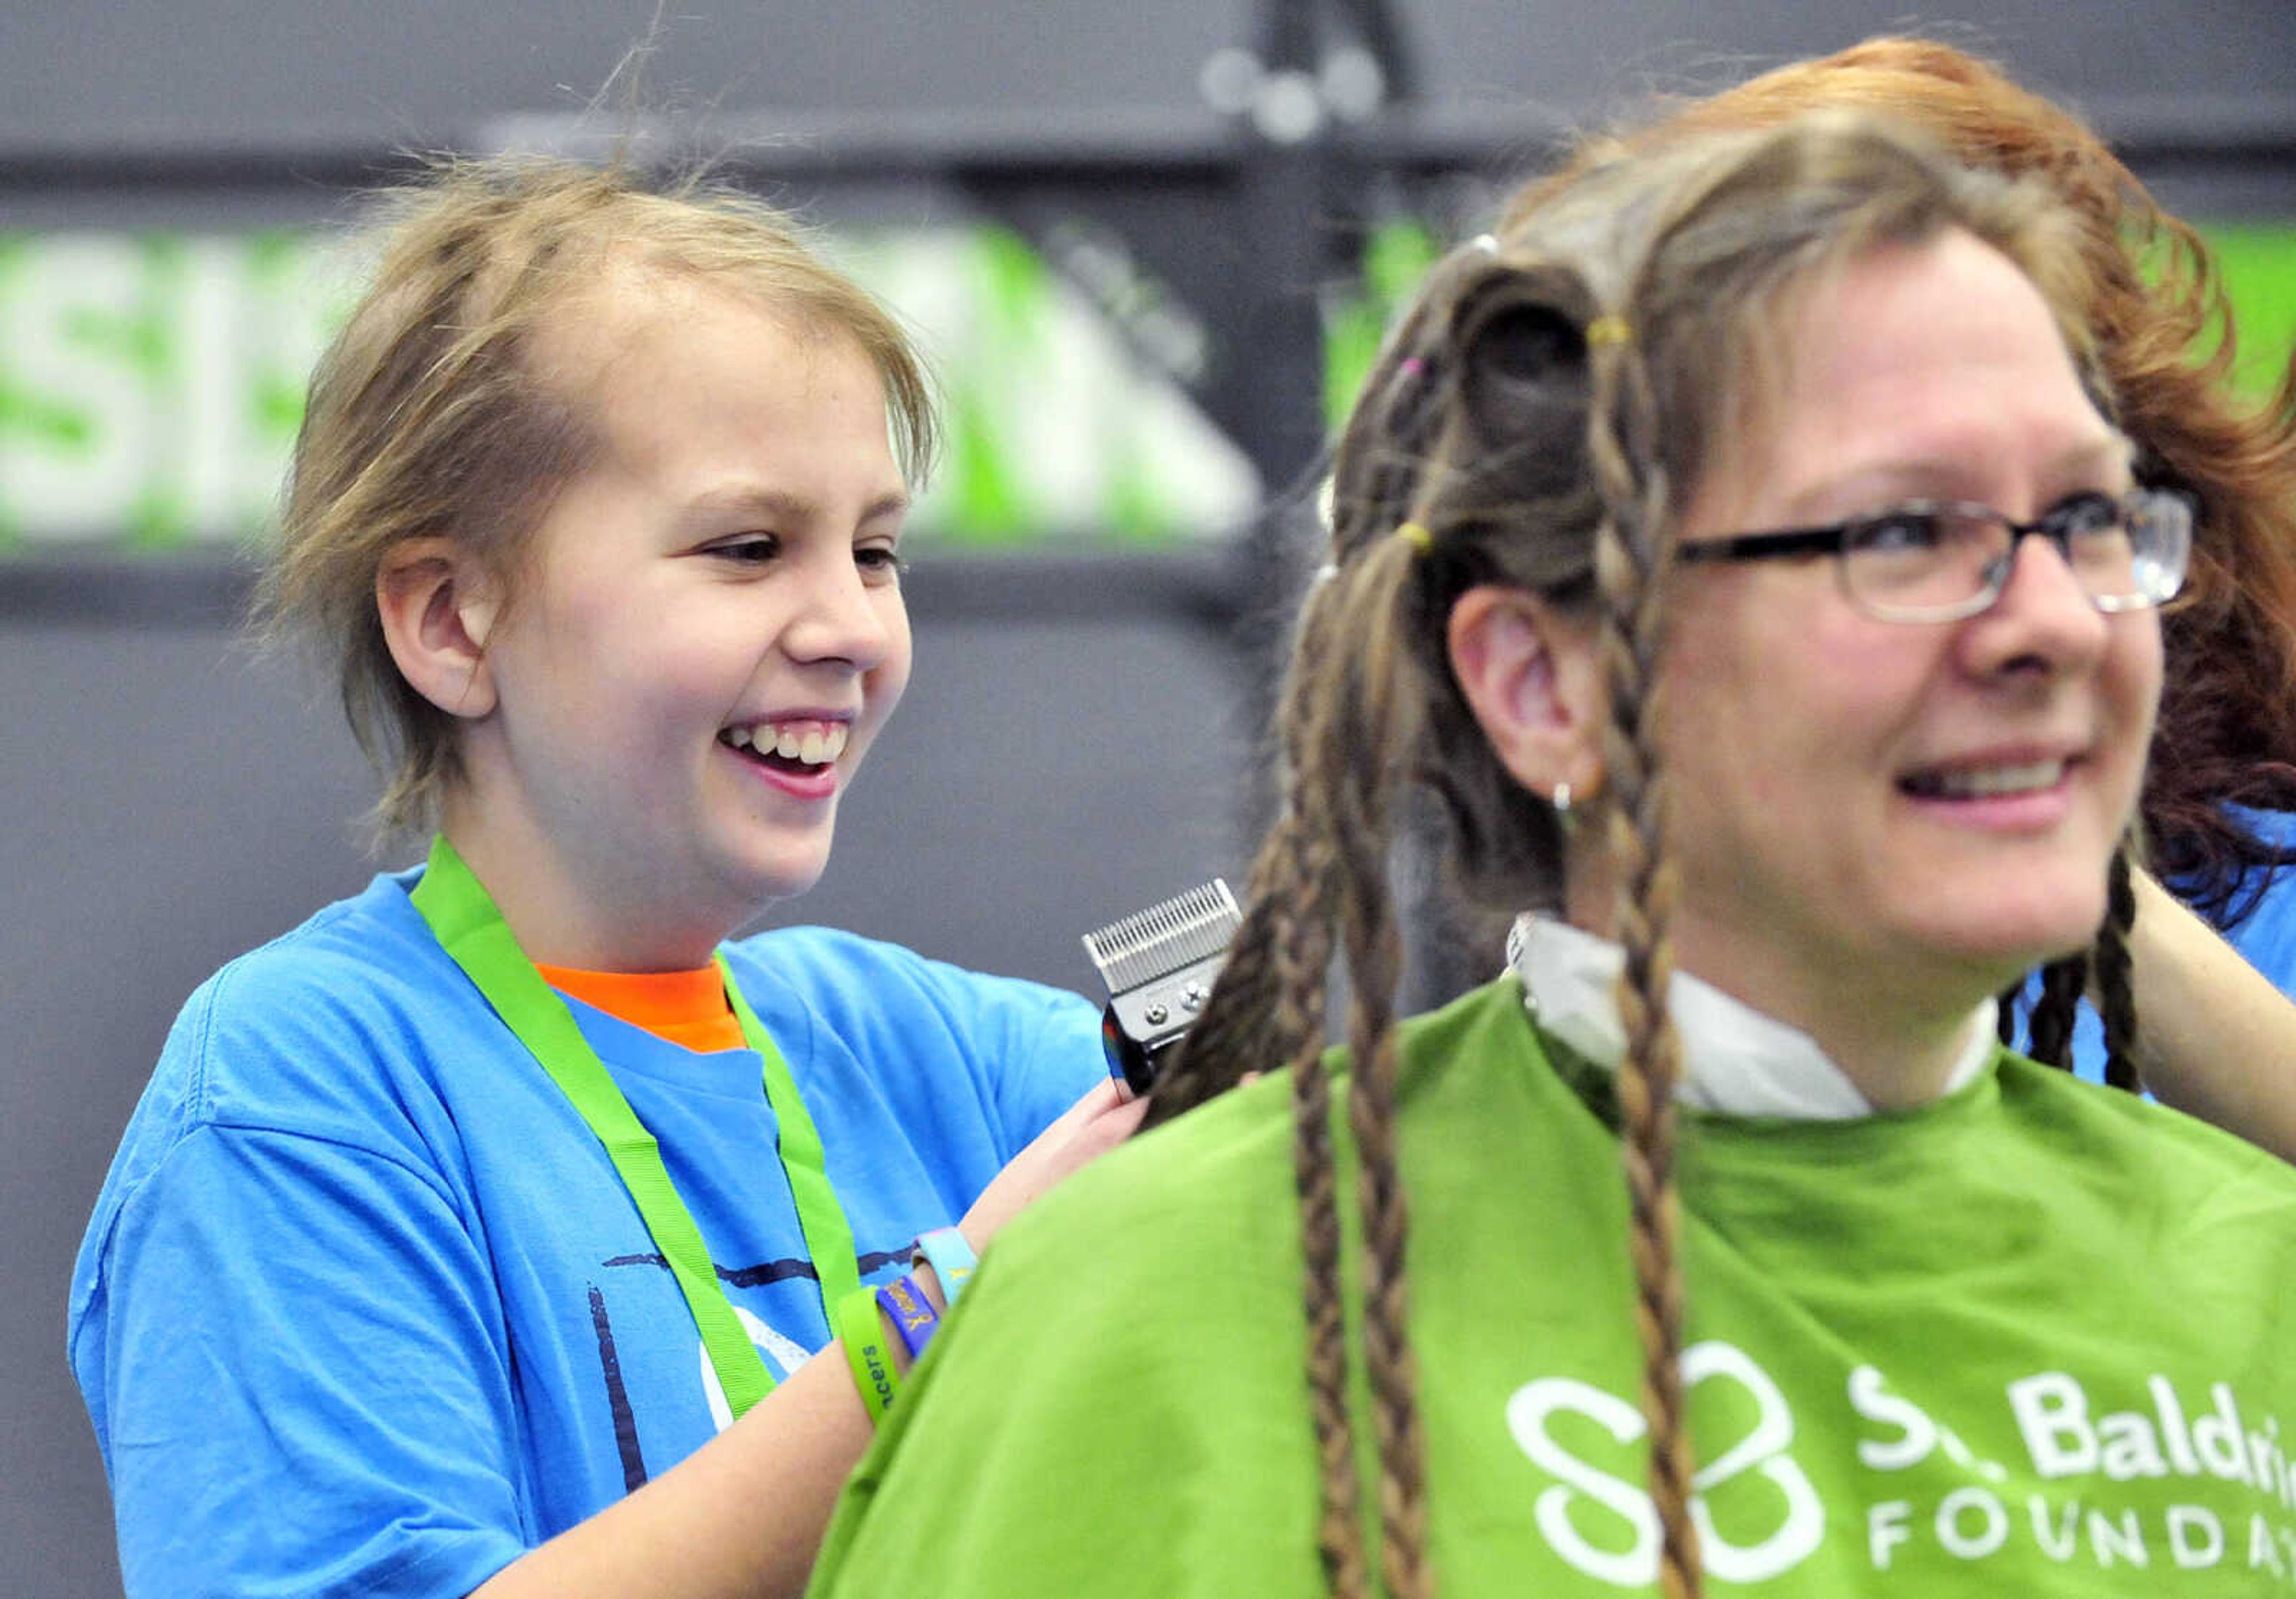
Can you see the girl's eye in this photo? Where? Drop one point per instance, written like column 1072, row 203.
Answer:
column 879, row 558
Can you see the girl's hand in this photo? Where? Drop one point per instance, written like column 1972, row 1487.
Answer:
column 1087, row 1129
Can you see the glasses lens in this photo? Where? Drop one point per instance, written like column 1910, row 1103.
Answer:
column 1922, row 561
column 1934, row 563
column 2098, row 536
column 2161, row 540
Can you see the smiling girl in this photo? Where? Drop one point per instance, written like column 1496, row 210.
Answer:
column 477, row 1234
column 1745, row 533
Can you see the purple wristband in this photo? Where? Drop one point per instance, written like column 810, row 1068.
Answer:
column 914, row 1316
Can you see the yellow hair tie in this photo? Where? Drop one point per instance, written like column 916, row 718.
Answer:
column 1418, row 537
column 1609, row 330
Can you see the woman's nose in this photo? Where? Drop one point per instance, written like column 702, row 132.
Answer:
column 2042, row 616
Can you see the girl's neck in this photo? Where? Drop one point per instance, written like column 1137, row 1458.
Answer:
column 562, row 916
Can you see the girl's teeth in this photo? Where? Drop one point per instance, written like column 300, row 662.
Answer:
column 814, row 746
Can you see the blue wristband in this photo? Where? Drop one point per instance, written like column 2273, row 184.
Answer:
column 945, row 1250
column 914, row 1316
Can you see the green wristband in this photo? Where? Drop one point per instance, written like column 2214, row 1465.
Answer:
column 862, row 1334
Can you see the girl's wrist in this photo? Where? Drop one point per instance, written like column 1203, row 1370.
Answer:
column 942, row 1262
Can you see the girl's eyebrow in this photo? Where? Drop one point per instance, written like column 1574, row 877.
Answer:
column 780, row 504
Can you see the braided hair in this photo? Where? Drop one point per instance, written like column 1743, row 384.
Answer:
column 2050, row 1025
column 1535, row 421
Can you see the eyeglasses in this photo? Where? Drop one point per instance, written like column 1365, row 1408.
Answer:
column 1938, row 561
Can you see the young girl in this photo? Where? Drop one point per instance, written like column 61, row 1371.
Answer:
column 459, row 1226
column 1747, row 529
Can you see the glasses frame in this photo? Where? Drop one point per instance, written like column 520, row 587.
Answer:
column 2051, row 524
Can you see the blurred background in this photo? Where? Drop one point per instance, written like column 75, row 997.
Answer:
column 1149, row 247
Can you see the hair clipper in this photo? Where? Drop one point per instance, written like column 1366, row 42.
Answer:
column 1159, row 965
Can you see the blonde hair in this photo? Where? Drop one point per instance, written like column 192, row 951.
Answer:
column 1543, row 412
column 428, row 416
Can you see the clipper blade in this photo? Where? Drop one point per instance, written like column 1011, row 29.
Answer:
column 1165, row 937
column 1159, row 965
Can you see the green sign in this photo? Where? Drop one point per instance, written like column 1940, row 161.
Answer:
column 2258, row 263
column 151, row 386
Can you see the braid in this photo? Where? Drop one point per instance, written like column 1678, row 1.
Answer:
column 2052, row 1022
column 2115, row 989
column 1361, row 834
column 2004, row 1014
column 1300, row 955
column 1363, row 728
column 1628, row 563
column 1323, row 1297
column 1300, row 950
column 1328, row 855
column 1268, row 1006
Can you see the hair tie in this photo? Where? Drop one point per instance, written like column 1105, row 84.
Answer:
column 1417, row 537
column 1609, row 330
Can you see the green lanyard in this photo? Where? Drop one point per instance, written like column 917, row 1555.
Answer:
column 464, row 918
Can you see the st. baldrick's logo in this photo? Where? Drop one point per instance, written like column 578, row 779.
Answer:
column 1607, row 1527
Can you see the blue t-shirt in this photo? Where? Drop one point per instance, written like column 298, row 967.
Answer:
column 2266, row 935
column 364, row 1307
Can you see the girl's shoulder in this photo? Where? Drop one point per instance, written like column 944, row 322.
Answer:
column 320, row 1029
column 869, row 990
column 333, row 1034
column 837, row 963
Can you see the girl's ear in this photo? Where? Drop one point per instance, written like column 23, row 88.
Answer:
column 436, row 609
column 1530, row 673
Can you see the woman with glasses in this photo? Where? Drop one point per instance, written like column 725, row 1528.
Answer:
column 1746, row 533
column 2219, row 801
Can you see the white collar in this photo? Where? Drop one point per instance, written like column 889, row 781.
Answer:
column 1734, row 1059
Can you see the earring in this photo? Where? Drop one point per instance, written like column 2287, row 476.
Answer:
column 1561, row 799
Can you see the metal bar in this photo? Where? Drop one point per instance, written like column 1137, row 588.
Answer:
column 207, row 590
column 1028, row 144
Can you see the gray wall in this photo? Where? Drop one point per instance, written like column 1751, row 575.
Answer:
column 1071, row 747
column 178, row 72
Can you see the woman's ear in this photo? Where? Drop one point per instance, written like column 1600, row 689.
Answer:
column 1529, row 671
column 436, row 609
